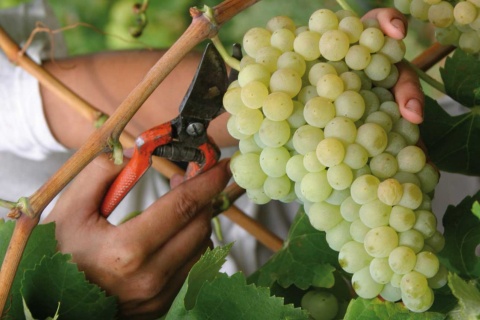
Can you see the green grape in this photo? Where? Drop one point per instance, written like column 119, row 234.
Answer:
column 358, row 57
column 253, row 94
column 339, row 235
column 338, row 196
column 248, row 121
column 407, row 177
column 352, row 26
column 375, row 213
column 274, row 161
column 356, row 156
column 350, row 104
column 282, row 39
column 330, row 86
column 390, row 192
column 385, row 95
column 248, row 145
column 441, row 14
column 364, row 188
column 390, row 81
column 372, row 103
column 379, row 67
column 396, row 280
column 362, row 171
column 277, row 106
column 330, row 152
column 232, row 128
column 414, row 285
column 412, row 196
column 274, row 133
column 280, row 22
column 254, row 72
column 247, row 172
column 340, row 176
column 380, row 270
column 380, row 241
column 320, row 304
column 340, row 66
column 315, row 186
column 420, row 304
column 439, row 279
column 464, row 12
column 306, row 138
column 258, row 196
column 349, row 209
column 419, row 9
column 254, row 39
column 296, row 119
column 372, row 38
column 411, row 159
column 372, row 137
column 393, row 49
column 318, row 112
column 427, row 264
column 352, row 257
column 351, row 81
column 311, row 163
column 322, row 21
column 334, row 45
column 436, row 241
column 277, row 187
column 232, row 101
column 306, row 94
column 318, row 70
column 402, row 260
column 364, row 285
column 469, row 42
column 324, row 216
column 426, row 223
column 286, row 80
column 412, row 239
column 358, row 230
column 428, row 177
column 391, row 293
column 402, row 5
column 401, row 218
column 391, row 108
column 295, row 169
column 293, row 61
column 306, row 45
column 384, row 165
column 341, row 128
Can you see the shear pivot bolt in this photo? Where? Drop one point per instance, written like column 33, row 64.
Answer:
column 195, row 129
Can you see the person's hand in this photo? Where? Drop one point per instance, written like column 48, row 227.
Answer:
column 407, row 91
column 144, row 261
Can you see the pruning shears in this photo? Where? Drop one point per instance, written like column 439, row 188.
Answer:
column 182, row 139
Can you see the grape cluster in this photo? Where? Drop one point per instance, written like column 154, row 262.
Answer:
column 316, row 123
column 456, row 22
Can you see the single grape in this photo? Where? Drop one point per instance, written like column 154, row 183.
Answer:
column 315, row 186
column 324, row 216
column 306, row 138
column 277, row 187
column 364, row 189
column 340, row 176
column 277, row 106
column 402, row 260
column 323, row 20
column 358, row 230
column 350, row 104
column 372, row 137
column 411, row 159
column 375, row 213
column 364, row 285
column 380, row 241
column 380, row 270
column 247, row 172
column 295, row 169
column 274, row 161
column 254, row 39
column 401, row 218
column 287, row 81
column 339, row 235
column 306, row 45
column 352, row 257
column 412, row 239
column 334, row 45
column 390, row 192
column 274, row 133
column 350, row 209
column 427, row 264
column 330, row 152
column 282, row 39
column 319, row 111
column 372, row 38
column 320, row 304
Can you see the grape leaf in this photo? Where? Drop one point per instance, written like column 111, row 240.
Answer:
column 476, row 209
column 462, row 236
column 231, row 298
column 57, row 280
column 450, row 140
column 41, row 243
column 304, row 260
column 460, row 76
column 375, row 309
column 468, row 296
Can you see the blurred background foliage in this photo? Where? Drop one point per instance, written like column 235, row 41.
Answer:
column 110, row 22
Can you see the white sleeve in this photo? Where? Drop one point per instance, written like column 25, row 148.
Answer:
column 23, row 128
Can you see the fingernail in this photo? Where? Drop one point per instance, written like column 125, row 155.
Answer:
column 399, row 25
column 415, row 106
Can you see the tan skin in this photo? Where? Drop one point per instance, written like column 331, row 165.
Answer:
column 145, row 261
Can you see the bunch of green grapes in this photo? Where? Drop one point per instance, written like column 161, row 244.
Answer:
column 456, row 22
column 316, row 123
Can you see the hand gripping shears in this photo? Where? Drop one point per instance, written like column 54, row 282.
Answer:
column 183, row 139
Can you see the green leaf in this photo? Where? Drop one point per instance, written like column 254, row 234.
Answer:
column 305, row 259
column 460, row 76
column 476, row 209
column 231, row 298
column 462, row 236
column 375, row 309
column 468, row 297
column 450, row 140
column 41, row 243
column 57, row 280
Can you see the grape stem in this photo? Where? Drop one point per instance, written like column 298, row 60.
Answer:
column 344, row 5
column 7, row 204
column 231, row 61
column 427, row 78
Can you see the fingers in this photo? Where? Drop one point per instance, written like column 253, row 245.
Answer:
column 392, row 22
column 177, row 208
column 408, row 94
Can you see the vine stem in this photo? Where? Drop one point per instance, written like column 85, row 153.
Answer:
column 344, row 5
column 199, row 30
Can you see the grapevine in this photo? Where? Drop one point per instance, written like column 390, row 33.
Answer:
column 316, row 123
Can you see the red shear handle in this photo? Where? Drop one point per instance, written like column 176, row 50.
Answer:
column 124, row 182
column 211, row 153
